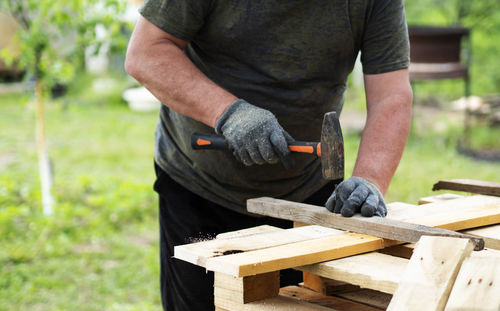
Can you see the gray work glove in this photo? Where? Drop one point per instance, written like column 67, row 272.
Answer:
column 254, row 134
column 356, row 195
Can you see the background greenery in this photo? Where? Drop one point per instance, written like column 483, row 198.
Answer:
column 483, row 19
column 99, row 250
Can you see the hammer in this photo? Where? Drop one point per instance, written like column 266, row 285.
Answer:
column 330, row 148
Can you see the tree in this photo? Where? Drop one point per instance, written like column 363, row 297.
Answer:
column 52, row 41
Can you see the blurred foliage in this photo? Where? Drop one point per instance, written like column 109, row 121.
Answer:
column 483, row 18
column 99, row 250
column 54, row 34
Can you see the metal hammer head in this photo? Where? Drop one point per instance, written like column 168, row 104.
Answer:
column 332, row 147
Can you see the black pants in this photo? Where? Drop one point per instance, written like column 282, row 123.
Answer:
column 186, row 218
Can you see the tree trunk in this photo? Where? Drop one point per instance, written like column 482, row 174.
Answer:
column 43, row 156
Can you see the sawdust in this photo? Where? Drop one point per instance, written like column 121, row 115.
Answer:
column 202, row 237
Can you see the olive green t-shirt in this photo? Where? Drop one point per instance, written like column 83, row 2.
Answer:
column 291, row 57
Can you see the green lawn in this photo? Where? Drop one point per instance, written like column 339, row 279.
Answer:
column 99, row 250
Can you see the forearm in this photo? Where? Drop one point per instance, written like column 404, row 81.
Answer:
column 385, row 134
column 161, row 66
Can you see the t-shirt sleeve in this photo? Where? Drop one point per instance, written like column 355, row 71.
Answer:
column 385, row 45
column 180, row 18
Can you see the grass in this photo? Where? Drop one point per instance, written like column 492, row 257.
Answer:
column 99, row 251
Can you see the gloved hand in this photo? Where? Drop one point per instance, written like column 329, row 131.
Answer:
column 254, row 134
column 356, row 195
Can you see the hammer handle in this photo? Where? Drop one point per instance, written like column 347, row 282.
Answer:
column 218, row 142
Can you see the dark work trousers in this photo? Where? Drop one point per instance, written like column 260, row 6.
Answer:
column 186, row 218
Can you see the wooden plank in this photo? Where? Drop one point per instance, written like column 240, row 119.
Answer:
column 294, row 254
column 248, row 232
column 381, row 227
column 469, row 185
column 199, row 253
column 451, row 208
column 403, row 250
column 247, row 289
column 326, row 286
column 342, row 245
column 430, row 274
column 490, row 235
column 397, row 210
column 477, row 286
column 311, row 296
column 279, row 303
column 367, row 271
column 439, row 198
column 368, row 297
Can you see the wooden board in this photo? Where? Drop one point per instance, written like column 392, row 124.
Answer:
column 407, row 231
column 272, row 304
column 477, row 286
column 199, row 253
column 248, row 232
column 490, row 235
column 326, row 286
column 457, row 210
column 366, row 270
column 271, row 257
column 294, row 254
column 430, row 274
column 368, row 297
column 335, row 303
column 439, row 198
column 247, row 289
column 469, row 185
column 403, row 250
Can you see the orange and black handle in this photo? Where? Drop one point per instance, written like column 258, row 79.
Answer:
column 218, row 142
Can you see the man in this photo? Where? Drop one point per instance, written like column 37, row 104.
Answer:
column 262, row 73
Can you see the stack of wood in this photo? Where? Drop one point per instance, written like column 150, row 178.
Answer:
column 350, row 271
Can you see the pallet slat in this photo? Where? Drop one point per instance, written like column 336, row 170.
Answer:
column 335, row 303
column 469, row 185
column 367, row 271
column 430, row 274
column 294, row 254
column 201, row 252
column 460, row 213
column 477, row 286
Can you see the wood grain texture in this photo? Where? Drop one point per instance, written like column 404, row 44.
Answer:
column 469, row 185
column 407, row 231
column 294, row 254
column 326, row 286
column 247, row 289
column 304, row 294
column 266, row 255
column 367, row 271
column 430, row 274
column 368, row 297
column 248, row 232
column 490, row 235
column 272, row 304
column 403, row 250
column 439, row 198
column 477, row 286
column 199, row 253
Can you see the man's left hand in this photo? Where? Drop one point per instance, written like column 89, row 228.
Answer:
column 357, row 195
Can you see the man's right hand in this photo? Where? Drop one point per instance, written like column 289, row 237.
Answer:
column 254, row 134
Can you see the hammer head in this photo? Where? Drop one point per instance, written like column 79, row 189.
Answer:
column 332, row 147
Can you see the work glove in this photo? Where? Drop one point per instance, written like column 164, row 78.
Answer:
column 357, row 195
column 254, row 134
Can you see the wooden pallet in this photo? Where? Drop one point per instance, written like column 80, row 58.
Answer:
column 246, row 262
